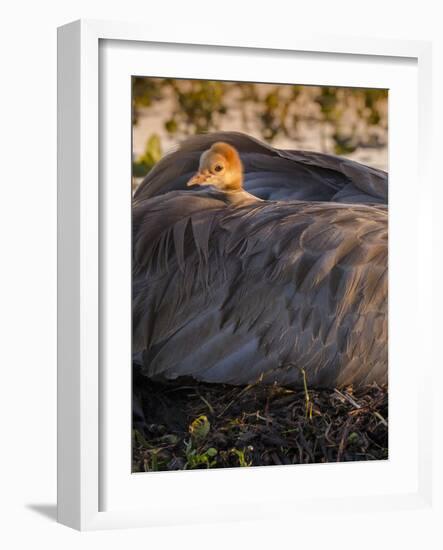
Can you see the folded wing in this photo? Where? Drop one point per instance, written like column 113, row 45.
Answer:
column 263, row 291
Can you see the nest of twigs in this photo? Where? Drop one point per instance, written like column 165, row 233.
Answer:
column 190, row 425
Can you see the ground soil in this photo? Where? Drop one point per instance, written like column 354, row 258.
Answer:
column 189, row 425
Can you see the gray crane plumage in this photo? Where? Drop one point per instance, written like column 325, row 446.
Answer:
column 266, row 289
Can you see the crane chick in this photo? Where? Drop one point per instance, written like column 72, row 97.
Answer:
column 221, row 167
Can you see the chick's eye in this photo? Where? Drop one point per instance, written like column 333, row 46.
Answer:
column 218, row 167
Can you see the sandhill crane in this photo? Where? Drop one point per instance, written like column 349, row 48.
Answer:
column 252, row 263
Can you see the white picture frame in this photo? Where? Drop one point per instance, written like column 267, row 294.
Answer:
column 95, row 490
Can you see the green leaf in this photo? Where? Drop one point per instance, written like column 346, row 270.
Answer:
column 153, row 148
column 353, row 438
column 171, row 439
column 199, row 428
column 171, row 126
column 211, row 451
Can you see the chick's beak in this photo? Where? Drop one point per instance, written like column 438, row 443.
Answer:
column 199, row 178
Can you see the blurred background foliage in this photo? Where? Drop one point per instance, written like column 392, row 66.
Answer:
column 342, row 121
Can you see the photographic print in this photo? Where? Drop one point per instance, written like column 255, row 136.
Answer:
column 259, row 274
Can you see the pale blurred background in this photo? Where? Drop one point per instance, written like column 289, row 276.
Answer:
column 351, row 122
